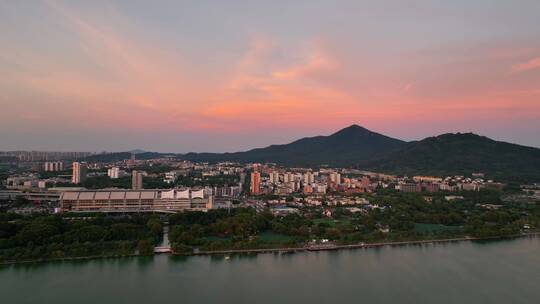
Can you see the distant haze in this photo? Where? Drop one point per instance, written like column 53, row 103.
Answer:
column 176, row 76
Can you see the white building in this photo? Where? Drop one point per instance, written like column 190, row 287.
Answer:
column 288, row 177
column 113, row 172
column 170, row 177
column 53, row 166
column 170, row 201
column 79, row 173
column 274, row 177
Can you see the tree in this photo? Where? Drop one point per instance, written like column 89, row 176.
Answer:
column 92, row 233
column 37, row 233
column 145, row 247
column 333, row 234
column 155, row 227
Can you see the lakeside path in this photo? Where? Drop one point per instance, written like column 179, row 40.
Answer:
column 357, row 246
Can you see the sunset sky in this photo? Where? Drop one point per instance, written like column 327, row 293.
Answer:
column 179, row 76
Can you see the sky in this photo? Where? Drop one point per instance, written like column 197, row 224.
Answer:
column 180, row 76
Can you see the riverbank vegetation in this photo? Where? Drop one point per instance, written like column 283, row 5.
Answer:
column 43, row 237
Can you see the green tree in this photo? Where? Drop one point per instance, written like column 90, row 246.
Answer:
column 145, row 247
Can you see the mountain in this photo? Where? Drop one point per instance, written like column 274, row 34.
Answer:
column 446, row 154
column 461, row 153
column 136, row 151
column 346, row 147
column 355, row 146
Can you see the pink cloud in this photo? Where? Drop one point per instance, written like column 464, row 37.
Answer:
column 272, row 85
column 526, row 66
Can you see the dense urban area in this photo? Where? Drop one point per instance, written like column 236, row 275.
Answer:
column 58, row 205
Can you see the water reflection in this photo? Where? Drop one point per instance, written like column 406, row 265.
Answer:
column 247, row 256
column 492, row 272
column 178, row 258
column 218, row 258
column 145, row 263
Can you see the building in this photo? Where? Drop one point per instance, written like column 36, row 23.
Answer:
column 34, row 196
column 255, row 183
column 19, row 182
column 136, row 180
column 288, row 177
column 432, row 187
column 282, row 190
column 470, row 187
column 335, row 178
column 113, row 172
column 428, row 179
column 319, row 188
column 274, row 177
column 169, row 201
column 53, row 166
column 447, row 187
column 79, row 173
column 309, row 178
column 227, row 191
column 410, row 187
column 170, row 177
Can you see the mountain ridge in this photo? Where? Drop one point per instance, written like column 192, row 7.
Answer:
column 343, row 147
column 358, row 147
column 462, row 153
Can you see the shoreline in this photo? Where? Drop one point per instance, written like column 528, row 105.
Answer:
column 357, row 246
column 287, row 250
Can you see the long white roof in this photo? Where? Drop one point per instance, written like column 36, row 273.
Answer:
column 131, row 194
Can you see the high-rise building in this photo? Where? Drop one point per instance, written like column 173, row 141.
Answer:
column 113, row 172
column 136, row 180
column 79, row 173
column 309, row 178
column 242, row 178
column 53, row 166
column 288, row 177
column 335, row 178
column 255, row 183
column 274, row 177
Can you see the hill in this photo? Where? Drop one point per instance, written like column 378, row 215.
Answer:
column 462, row 153
column 355, row 146
column 346, row 147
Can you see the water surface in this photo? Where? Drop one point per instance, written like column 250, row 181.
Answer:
column 466, row 272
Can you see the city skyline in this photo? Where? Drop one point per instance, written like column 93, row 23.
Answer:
column 178, row 77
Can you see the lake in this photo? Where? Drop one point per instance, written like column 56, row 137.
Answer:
column 465, row 272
